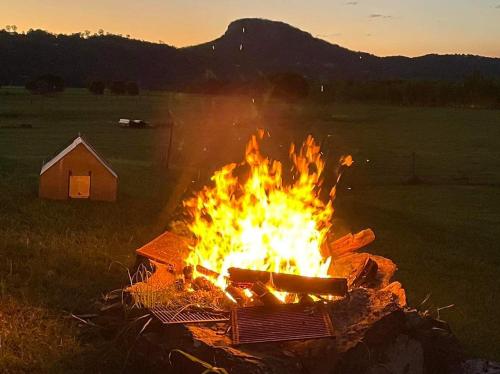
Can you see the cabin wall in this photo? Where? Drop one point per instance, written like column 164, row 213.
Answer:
column 54, row 183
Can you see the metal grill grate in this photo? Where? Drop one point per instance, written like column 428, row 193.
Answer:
column 279, row 323
column 169, row 316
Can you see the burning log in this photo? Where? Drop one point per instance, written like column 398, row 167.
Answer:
column 202, row 283
column 350, row 243
column 188, row 272
column 265, row 295
column 205, row 271
column 291, row 282
column 237, row 294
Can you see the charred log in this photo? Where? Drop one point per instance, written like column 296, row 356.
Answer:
column 366, row 274
column 265, row 295
column 291, row 282
column 207, row 272
column 237, row 294
column 349, row 266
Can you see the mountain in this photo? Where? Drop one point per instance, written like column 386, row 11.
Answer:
column 248, row 49
column 268, row 46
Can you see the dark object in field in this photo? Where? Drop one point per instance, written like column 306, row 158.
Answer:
column 122, row 88
column 78, row 172
column 280, row 323
column 134, row 123
column 97, row 87
column 265, row 295
column 170, row 316
column 45, row 85
column 366, row 274
column 292, row 283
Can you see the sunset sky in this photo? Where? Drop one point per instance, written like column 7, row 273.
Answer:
column 382, row 27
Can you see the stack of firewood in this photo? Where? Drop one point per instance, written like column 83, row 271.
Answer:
column 374, row 331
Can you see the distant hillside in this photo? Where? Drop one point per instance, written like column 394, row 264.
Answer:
column 79, row 60
column 248, row 49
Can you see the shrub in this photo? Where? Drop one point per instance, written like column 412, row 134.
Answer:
column 132, row 88
column 45, row 84
column 97, row 87
column 118, row 87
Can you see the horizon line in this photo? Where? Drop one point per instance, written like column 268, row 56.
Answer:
column 161, row 42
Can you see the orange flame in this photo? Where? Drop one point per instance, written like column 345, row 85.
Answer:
column 260, row 223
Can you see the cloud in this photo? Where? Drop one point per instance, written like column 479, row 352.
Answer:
column 351, row 3
column 498, row 6
column 378, row 15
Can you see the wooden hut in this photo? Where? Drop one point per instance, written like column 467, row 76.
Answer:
column 78, row 172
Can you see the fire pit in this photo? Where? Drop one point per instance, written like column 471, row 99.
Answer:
column 258, row 284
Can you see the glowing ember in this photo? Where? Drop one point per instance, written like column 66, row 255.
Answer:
column 259, row 223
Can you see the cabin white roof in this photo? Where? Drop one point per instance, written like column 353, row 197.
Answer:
column 79, row 140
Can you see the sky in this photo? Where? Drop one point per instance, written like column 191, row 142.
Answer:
column 381, row 27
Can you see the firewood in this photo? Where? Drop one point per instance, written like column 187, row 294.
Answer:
column 365, row 275
column 291, row 282
column 306, row 299
column 188, row 273
column 202, row 283
column 205, row 271
column 349, row 265
column 237, row 294
column 350, row 243
column 265, row 295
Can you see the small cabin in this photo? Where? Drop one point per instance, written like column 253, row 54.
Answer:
column 78, row 172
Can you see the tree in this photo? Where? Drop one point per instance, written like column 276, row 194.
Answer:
column 290, row 86
column 45, row 84
column 118, row 87
column 132, row 88
column 97, row 87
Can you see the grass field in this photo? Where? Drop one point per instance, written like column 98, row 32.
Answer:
column 55, row 257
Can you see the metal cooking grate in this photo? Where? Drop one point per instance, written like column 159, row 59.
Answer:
column 169, row 316
column 279, row 323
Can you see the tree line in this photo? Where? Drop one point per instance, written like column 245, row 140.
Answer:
column 472, row 90
column 48, row 84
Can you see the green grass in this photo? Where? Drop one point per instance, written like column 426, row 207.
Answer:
column 56, row 257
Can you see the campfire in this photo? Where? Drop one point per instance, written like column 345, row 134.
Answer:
column 259, row 239
column 261, row 223
column 257, row 261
